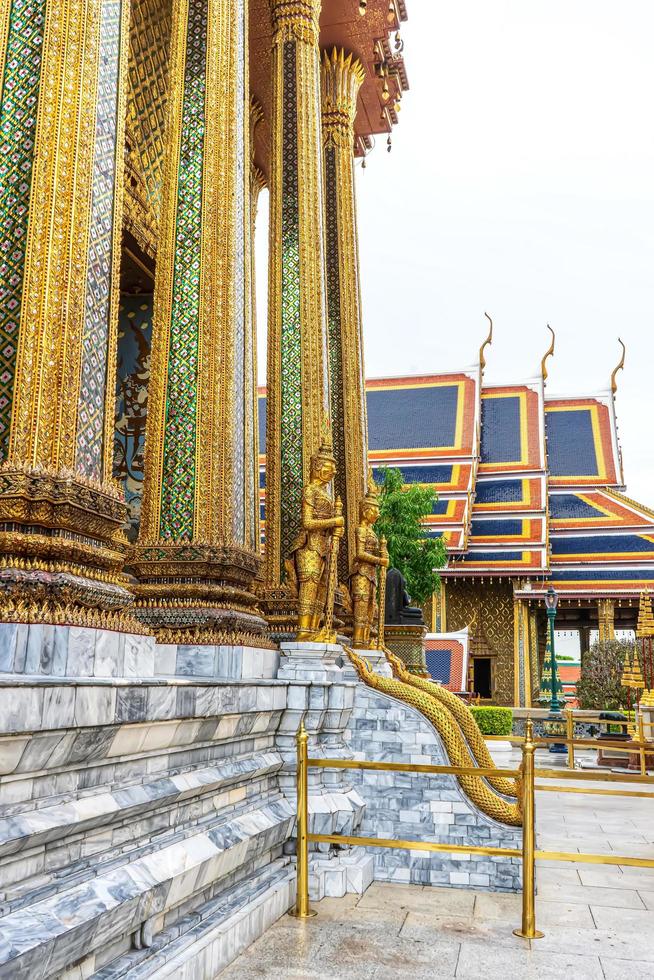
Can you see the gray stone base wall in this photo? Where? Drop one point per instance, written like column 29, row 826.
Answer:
column 422, row 807
column 147, row 799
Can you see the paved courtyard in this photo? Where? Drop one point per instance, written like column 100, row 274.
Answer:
column 598, row 920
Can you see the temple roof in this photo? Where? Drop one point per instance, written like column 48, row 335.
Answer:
column 529, row 487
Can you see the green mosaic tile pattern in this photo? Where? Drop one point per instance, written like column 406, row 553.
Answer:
column 178, row 489
column 95, row 336
column 335, row 344
column 18, row 105
column 291, row 345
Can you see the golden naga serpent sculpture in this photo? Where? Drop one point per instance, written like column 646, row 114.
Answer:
column 462, row 715
column 478, row 791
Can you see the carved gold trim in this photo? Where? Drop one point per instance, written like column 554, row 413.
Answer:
column 68, row 614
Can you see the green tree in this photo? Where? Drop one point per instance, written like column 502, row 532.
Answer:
column 599, row 687
column 402, row 511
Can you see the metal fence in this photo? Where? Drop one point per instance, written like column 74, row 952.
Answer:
column 526, row 778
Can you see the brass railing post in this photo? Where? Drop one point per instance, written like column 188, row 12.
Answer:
column 570, row 724
column 302, row 909
column 641, row 745
column 528, row 929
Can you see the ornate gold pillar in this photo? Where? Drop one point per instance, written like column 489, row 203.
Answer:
column 257, row 184
column 196, row 555
column 606, row 619
column 341, row 77
column 298, row 396
column 521, row 655
column 62, row 68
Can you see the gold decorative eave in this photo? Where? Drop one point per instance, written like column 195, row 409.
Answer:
column 371, row 39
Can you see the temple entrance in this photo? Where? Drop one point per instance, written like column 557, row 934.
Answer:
column 482, row 677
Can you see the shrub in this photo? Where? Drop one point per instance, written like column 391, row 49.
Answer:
column 494, row 721
column 600, row 686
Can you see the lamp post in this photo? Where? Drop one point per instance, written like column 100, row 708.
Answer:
column 556, row 688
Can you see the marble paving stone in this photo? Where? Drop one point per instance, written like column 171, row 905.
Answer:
column 647, row 898
column 614, row 877
column 496, row 964
column 427, row 927
column 626, row 969
column 624, row 920
column 612, row 942
column 591, row 895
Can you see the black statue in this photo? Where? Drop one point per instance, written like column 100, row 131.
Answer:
column 398, row 611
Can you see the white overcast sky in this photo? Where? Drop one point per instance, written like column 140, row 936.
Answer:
column 521, row 181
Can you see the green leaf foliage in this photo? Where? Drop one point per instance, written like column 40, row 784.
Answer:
column 493, row 721
column 403, row 509
column 599, row 687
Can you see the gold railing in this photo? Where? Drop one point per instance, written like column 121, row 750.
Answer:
column 641, row 745
column 526, row 776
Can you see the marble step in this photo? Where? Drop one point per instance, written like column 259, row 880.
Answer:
column 44, row 939
column 140, row 844
column 213, row 934
column 111, row 823
column 37, row 827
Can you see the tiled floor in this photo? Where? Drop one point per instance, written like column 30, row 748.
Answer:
column 598, row 920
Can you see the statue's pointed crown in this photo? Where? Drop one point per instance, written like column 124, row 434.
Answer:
column 372, row 493
column 325, row 453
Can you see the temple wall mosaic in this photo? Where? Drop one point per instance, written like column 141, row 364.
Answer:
column 18, row 107
column 101, row 268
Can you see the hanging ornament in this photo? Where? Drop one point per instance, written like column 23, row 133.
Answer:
column 362, row 7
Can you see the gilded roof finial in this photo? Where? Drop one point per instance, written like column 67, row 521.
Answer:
column 489, row 340
column 619, row 366
column 548, row 353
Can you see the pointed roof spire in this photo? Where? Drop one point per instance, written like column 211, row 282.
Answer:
column 548, row 353
column 619, row 366
column 489, row 340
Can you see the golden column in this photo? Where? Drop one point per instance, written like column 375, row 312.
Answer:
column 341, row 77
column 197, row 552
column 62, row 108
column 298, row 395
column 257, row 184
column 606, row 619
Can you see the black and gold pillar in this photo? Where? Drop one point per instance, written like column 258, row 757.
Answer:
column 298, row 396
column 341, row 77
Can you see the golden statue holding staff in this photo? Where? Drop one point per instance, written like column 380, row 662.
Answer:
column 370, row 555
column 315, row 551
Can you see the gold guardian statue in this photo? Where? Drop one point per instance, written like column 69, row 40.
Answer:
column 371, row 554
column 314, row 554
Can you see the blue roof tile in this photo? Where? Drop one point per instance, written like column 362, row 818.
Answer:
column 571, row 443
column 499, row 492
column 600, row 544
column 412, row 418
column 496, row 528
column 439, row 664
column 428, row 473
column 570, row 506
column 500, row 431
